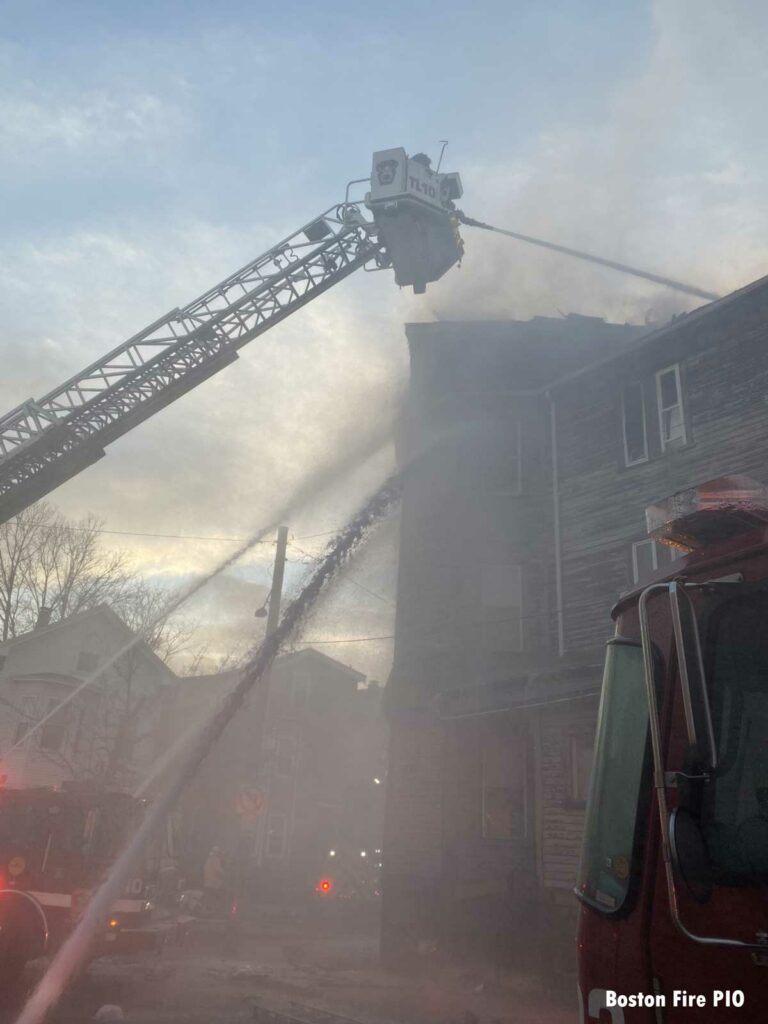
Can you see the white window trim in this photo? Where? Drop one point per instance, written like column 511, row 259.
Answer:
column 655, row 560
column 662, row 410
column 627, row 460
column 517, row 489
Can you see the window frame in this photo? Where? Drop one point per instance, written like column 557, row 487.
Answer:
column 525, row 831
column 485, row 624
column 661, row 409
column 517, row 489
column 627, row 461
column 638, row 544
column 644, row 797
column 283, row 835
column 85, row 654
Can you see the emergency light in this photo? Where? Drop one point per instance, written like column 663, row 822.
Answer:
column 713, row 511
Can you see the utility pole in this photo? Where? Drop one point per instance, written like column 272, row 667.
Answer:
column 264, row 766
column 276, row 593
column 251, row 843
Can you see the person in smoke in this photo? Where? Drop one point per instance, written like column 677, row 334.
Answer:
column 213, row 880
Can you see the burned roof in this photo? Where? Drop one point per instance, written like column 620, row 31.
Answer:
column 510, row 355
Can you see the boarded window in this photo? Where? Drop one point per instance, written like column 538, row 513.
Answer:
column 635, row 439
column 29, row 715
column 670, row 402
column 502, row 458
column 502, row 608
column 276, row 835
column 504, row 801
column 53, row 733
column 87, row 661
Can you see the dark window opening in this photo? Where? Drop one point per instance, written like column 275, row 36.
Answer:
column 635, row 438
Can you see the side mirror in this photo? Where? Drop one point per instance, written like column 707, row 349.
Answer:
column 690, row 857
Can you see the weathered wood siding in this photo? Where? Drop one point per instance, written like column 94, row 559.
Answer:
column 723, row 361
column 562, row 821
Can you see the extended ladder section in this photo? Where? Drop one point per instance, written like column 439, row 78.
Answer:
column 45, row 442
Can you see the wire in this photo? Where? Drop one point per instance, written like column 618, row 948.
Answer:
column 175, row 536
column 623, row 268
column 347, row 578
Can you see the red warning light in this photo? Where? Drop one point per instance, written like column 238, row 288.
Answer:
column 324, row 885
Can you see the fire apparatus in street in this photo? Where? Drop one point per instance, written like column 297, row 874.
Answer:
column 673, row 887
column 55, row 848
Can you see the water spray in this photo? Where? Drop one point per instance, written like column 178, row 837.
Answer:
column 366, row 448
column 72, row 955
column 579, row 254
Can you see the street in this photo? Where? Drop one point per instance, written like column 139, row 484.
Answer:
column 293, row 966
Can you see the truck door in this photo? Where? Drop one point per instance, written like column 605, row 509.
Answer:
column 717, row 820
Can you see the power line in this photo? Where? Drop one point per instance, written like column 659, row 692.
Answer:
column 346, row 577
column 171, row 536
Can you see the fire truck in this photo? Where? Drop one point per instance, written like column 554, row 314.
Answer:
column 56, row 846
column 673, row 920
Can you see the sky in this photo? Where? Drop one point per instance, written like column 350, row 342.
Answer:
column 147, row 150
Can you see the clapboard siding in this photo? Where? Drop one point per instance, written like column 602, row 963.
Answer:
column 724, row 376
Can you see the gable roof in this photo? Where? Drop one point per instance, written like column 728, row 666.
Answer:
column 99, row 611
column 533, row 356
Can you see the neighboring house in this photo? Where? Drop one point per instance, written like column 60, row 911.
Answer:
column 108, row 730
column 534, row 449
column 277, row 798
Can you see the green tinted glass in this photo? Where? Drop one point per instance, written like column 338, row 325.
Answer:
column 614, row 797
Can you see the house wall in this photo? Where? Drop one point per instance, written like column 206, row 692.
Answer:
column 463, row 401
column 724, row 375
column 92, row 716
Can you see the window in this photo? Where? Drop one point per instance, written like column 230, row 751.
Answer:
column 502, row 459
column 29, row 716
column 501, row 608
column 614, row 807
column 580, row 758
column 504, row 803
column 284, row 754
column 87, row 661
column 735, row 812
column 52, row 734
column 635, row 438
column 670, row 402
column 276, row 835
column 2, row 661
column 648, row 556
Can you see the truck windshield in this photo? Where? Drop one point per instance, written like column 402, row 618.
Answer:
column 609, row 854
column 735, row 807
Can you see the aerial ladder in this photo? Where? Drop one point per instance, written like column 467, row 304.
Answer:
column 407, row 221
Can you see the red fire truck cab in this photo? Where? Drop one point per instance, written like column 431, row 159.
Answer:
column 673, row 923
column 56, row 847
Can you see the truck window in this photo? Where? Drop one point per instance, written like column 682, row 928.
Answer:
column 735, row 810
column 609, row 852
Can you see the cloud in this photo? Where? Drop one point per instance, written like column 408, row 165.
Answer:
column 671, row 180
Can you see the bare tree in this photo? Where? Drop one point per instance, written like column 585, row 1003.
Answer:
column 48, row 561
